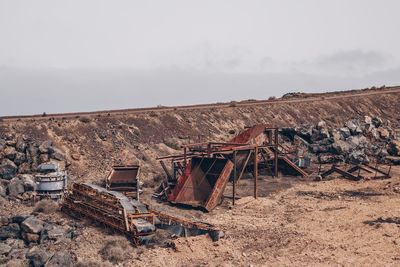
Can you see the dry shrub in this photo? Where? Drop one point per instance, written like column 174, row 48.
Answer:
column 115, row 249
column 85, row 119
column 46, row 206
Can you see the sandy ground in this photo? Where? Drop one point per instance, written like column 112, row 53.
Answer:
column 336, row 222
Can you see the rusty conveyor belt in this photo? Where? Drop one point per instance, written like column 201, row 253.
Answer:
column 112, row 209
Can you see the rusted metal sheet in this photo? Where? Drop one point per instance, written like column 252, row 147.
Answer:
column 219, row 187
column 124, row 179
column 203, row 182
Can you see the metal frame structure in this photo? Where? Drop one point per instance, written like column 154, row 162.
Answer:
column 249, row 148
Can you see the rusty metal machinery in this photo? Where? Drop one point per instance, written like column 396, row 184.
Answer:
column 112, row 209
column 125, row 179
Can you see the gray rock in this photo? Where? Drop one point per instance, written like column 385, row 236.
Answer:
column 341, row 147
column 10, row 152
column 358, row 157
column 33, row 153
column 351, row 126
column 30, row 238
column 32, row 225
column 330, row 158
column 24, row 168
column 16, row 187
column 375, row 133
column 55, row 233
column 4, row 220
column 19, row 158
column 357, row 141
column 45, row 146
column 21, row 145
column 4, row 249
column 38, row 257
column 394, row 148
column 61, row 259
column 19, row 218
column 345, row 132
column 10, row 231
column 29, row 182
column 57, row 154
column 7, row 169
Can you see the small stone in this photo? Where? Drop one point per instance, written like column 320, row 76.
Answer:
column 37, row 257
column 32, row 225
column 57, row 154
column 4, row 220
column 76, row 156
column 30, row 238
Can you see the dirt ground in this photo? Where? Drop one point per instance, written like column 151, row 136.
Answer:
column 302, row 223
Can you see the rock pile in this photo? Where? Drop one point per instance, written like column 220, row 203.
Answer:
column 20, row 236
column 21, row 156
column 355, row 142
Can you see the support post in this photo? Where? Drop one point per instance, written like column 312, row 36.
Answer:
column 184, row 157
column 255, row 171
column 234, row 178
column 276, row 152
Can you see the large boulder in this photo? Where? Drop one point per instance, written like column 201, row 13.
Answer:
column 10, row 152
column 16, row 187
column 33, row 153
column 351, row 126
column 38, row 257
column 45, row 146
column 394, row 148
column 7, row 169
column 57, row 154
column 32, row 225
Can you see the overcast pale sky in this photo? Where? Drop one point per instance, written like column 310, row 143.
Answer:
column 80, row 55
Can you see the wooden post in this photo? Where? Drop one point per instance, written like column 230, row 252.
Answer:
column 234, row 178
column 255, row 171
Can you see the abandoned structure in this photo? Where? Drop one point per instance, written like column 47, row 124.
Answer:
column 199, row 175
column 50, row 181
column 125, row 179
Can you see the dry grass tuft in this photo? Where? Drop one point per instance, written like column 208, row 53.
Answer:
column 115, row 249
column 46, row 206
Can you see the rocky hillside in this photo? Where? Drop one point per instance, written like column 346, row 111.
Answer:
column 92, row 143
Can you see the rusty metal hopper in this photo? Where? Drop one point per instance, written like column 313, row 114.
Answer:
column 203, row 182
column 124, row 179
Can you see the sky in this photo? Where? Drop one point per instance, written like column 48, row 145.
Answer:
column 85, row 55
